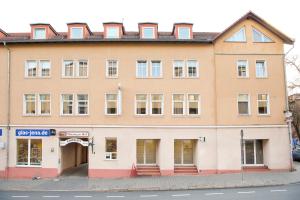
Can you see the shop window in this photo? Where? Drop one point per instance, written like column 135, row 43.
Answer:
column 29, row 152
column 111, row 149
column 252, row 152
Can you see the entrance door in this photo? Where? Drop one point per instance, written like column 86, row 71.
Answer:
column 146, row 152
column 253, row 152
column 183, row 152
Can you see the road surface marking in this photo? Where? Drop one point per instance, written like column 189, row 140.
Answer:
column 246, row 192
column 115, row 196
column 216, row 193
column 145, row 196
column 51, row 196
column 180, row 195
column 83, row 196
column 278, row 190
column 19, row 196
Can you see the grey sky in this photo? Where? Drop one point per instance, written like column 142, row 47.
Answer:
column 209, row 15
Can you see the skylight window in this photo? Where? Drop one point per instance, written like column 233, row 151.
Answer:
column 239, row 36
column 259, row 36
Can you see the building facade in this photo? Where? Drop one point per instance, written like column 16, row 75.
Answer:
column 146, row 102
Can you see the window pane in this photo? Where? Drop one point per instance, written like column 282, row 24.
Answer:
column 156, row 68
column 148, row 33
column 243, row 108
column 259, row 36
column 112, row 32
column 30, row 103
column 243, row 97
column 142, row 69
column 39, row 33
column 36, row 152
column 141, row 108
column 156, row 108
column 178, row 108
column 67, row 103
column 82, row 103
column 193, row 97
column 141, row 97
column 193, row 108
column 111, row 145
column 178, row 97
column 111, row 96
column 262, row 107
column 192, row 68
column 69, row 68
column 22, row 152
column 239, row 36
column 31, row 68
column 77, row 33
column 249, row 148
column 183, row 33
column 178, row 68
column 112, row 68
column 156, row 97
column 242, row 68
column 45, row 67
column 83, row 68
column 45, row 103
column 261, row 70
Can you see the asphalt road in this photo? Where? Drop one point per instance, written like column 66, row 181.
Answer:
column 290, row 192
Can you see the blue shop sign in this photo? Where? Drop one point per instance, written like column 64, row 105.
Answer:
column 0, row 132
column 33, row 132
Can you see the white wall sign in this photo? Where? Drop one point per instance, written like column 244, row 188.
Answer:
column 74, row 134
column 74, row 140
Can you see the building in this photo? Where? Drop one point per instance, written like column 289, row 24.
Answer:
column 146, row 102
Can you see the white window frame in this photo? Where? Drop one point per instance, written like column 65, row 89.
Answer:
column 263, row 35
column 151, row 67
column 187, row 69
column 75, row 68
column 40, row 104
column 188, row 105
column 247, row 68
column 157, row 101
column 112, row 37
column 34, row 34
column 238, row 41
column 72, row 36
column 249, row 104
column 109, row 155
column 27, row 68
column 25, row 102
column 147, row 69
column 183, row 69
column 107, row 68
column 62, row 104
column 268, row 104
column 266, row 69
column 153, row 32
column 106, row 102
column 183, row 104
column 77, row 104
column 179, row 30
column 29, row 152
column 40, row 68
column 136, row 101
column 244, row 152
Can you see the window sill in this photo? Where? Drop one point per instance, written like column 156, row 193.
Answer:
column 110, row 159
column 73, row 115
column 85, row 77
column 241, row 77
column 244, row 115
column 38, row 115
column 37, row 77
column 262, row 77
column 108, row 77
column 29, row 166
column 149, row 77
column 264, row 115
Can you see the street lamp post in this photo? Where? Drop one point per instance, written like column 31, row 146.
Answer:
column 242, row 153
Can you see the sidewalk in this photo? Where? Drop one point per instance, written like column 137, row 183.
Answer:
column 155, row 183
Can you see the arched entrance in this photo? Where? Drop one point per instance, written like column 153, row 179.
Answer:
column 74, row 156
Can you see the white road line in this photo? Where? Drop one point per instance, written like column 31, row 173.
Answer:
column 278, row 190
column 146, row 196
column 180, row 195
column 51, row 196
column 19, row 196
column 246, row 192
column 115, row 196
column 83, row 196
column 216, row 193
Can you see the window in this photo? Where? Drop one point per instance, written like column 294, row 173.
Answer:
column 77, row 33
column 239, row 36
column 242, row 67
column 261, row 69
column 192, row 66
column 75, row 68
column 156, row 104
column 82, row 104
column 44, row 104
column 67, row 104
column 29, row 152
column 156, row 70
column 259, row 36
column 193, row 104
column 30, row 108
column 111, row 107
column 252, row 152
column 111, row 149
column 113, row 32
column 112, row 69
column 243, row 104
column 141, row 104
column 178, row 104
column 31, row 68
column 39, row 33
column 263, row 104
column 148, row 33
column 184, row 33
column 142, row 69
column 44, row 68
column 178, row 69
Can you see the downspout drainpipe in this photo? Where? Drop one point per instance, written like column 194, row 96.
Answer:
column 287, row 109
column 8, row 107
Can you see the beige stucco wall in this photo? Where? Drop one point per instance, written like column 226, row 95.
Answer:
column 3, row 152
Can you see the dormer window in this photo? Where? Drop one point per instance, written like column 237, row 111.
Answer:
column 148, row 33
column 39, row 33
column 184, row 33
column 76, row 33
column 112, row 32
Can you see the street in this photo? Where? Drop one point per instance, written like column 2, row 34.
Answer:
column 289, row 192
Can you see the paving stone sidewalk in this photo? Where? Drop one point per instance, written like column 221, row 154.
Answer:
column 156, row 183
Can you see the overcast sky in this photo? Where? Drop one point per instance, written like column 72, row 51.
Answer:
column 209, row 15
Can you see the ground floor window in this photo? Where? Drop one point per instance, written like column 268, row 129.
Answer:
column 111, row 149
column 183, row 152
column 29, row 152
column 252, row 152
